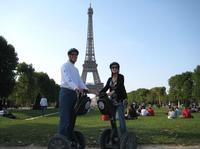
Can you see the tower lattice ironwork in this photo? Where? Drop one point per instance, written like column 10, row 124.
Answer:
column 90, row 65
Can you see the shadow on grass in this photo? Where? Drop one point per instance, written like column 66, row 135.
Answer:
column 167, row 136
column 39, row 134
column 26, row 134
column 24, row 114
column 154, row 130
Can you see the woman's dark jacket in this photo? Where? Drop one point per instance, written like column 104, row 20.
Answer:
column 119, row 88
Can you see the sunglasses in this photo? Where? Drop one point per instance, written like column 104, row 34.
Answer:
column 74, row 54
column 114, row 67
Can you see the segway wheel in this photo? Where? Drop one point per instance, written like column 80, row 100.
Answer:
column 128, row 141
column 108, row 142
column 59, row 142
column 78, row 141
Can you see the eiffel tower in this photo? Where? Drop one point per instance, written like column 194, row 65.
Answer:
column 90, row 65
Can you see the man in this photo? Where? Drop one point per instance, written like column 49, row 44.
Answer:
column 71, row 83
column 43, row 105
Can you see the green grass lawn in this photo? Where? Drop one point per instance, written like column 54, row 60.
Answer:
column 149, row 130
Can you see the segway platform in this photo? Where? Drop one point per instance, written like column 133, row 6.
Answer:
column 110, row 138
column 59, row 141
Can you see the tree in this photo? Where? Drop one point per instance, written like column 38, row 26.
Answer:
column 175, row 88
column 47, row 86
column 181, row 87
column 25, row 92
column 196, row 84
column 8, row 63
column 187, row 83
column 142, row 94
column 158, row 93
column 31, row 85
column 133, row 97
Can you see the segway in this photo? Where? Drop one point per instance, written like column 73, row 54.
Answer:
column 111, row 138
column 59, row 141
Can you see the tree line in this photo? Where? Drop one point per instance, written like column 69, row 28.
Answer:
column 31, row 85
column 20, row 83
column 182, row 88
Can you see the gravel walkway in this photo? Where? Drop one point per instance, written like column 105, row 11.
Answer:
column 139, row 147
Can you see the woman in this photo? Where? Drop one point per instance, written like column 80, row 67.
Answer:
column 115, row 85
column 171, row 113
column 186, row 113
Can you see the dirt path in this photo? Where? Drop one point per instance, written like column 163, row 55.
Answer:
column 139, row 147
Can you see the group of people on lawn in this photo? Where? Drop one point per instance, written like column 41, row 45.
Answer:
column 133, row 111
column 175, row 112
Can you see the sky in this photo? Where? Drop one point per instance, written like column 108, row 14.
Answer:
column 152, row 40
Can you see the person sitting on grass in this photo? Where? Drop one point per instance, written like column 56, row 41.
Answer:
column 194, row 108
column 150, row 111
column 131, row 112
column 6, row 113
column 171, row 113
column 177, row 111
column 186, row 113
column 1, row 104
column 144, row 111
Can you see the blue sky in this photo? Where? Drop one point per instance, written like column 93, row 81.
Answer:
column 151, row 39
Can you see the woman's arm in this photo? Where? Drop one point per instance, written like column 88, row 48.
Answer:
column 107, row 86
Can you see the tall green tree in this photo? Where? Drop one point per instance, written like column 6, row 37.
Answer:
column 159, row 93
column 8, row 63
column 181, row 87
column 54, row 90
column 175, row 83
column 46, row 86
column 43, row 84
column 133, row 97
column 196, row 84
column 25, row 92
column 187, row 83
column 143, row 94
